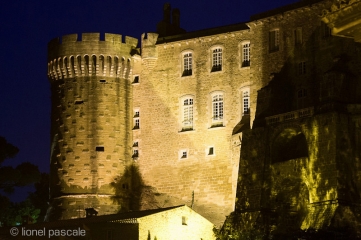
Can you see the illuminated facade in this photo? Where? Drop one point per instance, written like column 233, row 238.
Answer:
column 180, row 107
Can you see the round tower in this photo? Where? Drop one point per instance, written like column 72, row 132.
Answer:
column 90, row 122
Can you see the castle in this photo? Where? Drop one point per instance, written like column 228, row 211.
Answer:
column 247, row 117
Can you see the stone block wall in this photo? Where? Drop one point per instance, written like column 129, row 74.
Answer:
column 158, row 97
column 91, row 125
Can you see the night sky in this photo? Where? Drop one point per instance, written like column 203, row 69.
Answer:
column 27, row 26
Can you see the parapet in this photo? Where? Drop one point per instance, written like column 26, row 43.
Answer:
column 70, row 56
column 74, row 44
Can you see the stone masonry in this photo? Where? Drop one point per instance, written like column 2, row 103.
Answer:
column 180, row 109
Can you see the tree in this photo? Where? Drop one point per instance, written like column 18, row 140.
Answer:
column 40, row 197
column 10, row 177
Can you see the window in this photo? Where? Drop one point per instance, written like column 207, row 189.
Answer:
column 187, row 120
column 135, row 153
column 136, row 118
column 136, row 123
column 217, row 59
column 217, row 108
column 274, row 40
column 211, row 151
column 136, row 113
column 301, row 98
column 187, row 64
column 136, row 79
column 99, row 149
column 183, row 154
column 246, row 51
column 301, row 68
column 245, row 102
column 298, row 36
column 135, row 144
column 184, row 220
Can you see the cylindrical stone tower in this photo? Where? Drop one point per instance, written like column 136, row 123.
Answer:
column 90, row 122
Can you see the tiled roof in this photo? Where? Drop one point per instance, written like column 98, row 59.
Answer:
column 299, row 4
column 126, row 217
column 204, row 32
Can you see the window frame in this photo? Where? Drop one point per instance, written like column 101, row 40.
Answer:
column 247, row 97
column 245, row 61
column 190, row 110
column 135, row 82
column 219, row 119
column 274, row 40
column 298, row 36
column 301, row 68
column 181, row 155
column 185, row 71
column 136, row 119
column 208, row 149
column 218, row 56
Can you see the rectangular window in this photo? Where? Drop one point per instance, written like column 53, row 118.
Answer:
column 245, row 102
column 135, row 153
column 274, row 41
column 99, row 149
column 301, row 68
column 301, row 98
column 187, row 122
column 217, row 60
column 184, row 220
column 298, row 36
column 136, row 123
column 187, row 64
column 246, row 51
column 136, row 79
column 217, row 108
column 183, row 154
column 136, row 118
column 211, row 151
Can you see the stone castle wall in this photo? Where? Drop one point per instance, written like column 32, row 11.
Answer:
column 299, row 159
column 158, row 97
column 90, row 120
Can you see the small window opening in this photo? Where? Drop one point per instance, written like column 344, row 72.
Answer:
column 184, row 220
column 136, row 79
column 77, row 102
column 99, row 149
column 136, row 124
column 135, row 153
column 102, row 80
column 211, row 151
column 135, row 144
column 184, row 154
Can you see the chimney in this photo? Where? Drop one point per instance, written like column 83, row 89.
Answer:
column 176, row 17
column 166, row 12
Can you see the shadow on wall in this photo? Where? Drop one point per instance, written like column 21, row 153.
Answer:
column 131, row 187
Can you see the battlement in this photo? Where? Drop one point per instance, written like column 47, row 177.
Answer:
column 93, row 37
column 71, row 56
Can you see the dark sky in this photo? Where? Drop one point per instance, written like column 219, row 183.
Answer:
column 27, row 26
